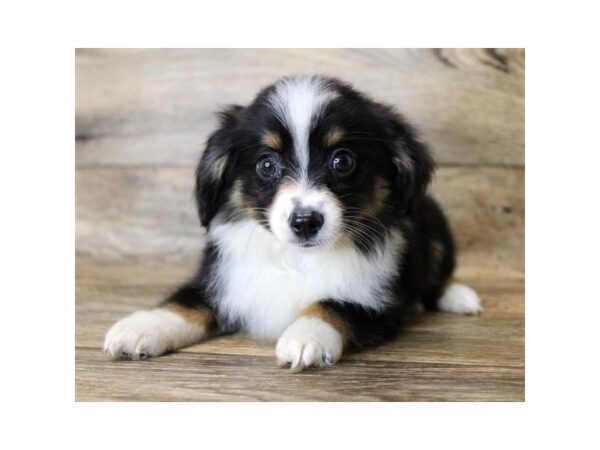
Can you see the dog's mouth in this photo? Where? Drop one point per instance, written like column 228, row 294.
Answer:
column 314, row 243
column 309, row 244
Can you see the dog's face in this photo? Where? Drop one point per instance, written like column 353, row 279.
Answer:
column 315, row 163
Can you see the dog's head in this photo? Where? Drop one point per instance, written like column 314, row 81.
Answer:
column 315, row 162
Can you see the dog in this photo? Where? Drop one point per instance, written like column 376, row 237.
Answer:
column 320, row 233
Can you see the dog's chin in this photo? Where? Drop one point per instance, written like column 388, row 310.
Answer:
column 313, row 244
column 309, row 244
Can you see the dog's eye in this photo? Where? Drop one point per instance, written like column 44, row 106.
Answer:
column 266, row 167
column 342, row 162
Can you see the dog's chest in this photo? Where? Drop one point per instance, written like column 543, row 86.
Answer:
column 264, row 284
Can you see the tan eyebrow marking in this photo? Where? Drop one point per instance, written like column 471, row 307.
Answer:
column 272, row 139
column 333, row 136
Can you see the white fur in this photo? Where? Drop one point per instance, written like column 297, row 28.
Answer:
column 309, row 342
column 460, row 299
column 298, row 103
column 294, row 195
column 150, row 333
column 263, row 283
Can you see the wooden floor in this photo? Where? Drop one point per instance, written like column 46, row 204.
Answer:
column 141, row 120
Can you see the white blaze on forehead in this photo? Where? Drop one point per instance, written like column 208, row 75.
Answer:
column 298, row 103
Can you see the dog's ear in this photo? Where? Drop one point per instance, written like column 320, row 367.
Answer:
column 213, row 174
column 415, row 167
column 413, row 163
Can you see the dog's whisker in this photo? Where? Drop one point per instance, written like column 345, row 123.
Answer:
column 366, row 235
column 358, row 234
column 369, row 218
column 366, row 228
column 359, row 218
column 361, row 211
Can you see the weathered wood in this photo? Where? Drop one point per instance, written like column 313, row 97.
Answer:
column 207, row 377
column 147, row 215
column 486, row 208
column 439, row 357
column 139, row 214
column 157, row 106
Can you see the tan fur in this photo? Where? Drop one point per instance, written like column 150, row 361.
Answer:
column 286, row 186
column 216, row 164
column 272, row 139
column 239, row 201
column 380, row 195
column 236, row 197
column 198, row 316
column 317, row 311
column 333, row 137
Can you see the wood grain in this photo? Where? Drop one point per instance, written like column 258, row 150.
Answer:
column 142, row 117
column 157, row 106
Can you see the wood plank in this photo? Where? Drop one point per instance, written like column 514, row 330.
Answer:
column 138, row 107
column 440, row 357
column 206, row 377
column 147, row 216
column 486, row 208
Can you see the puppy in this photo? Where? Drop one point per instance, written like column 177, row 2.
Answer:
column 320, row 232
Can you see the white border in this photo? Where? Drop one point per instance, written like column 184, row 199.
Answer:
column 38, row 224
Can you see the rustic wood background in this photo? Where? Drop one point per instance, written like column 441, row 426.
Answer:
column 142, row 117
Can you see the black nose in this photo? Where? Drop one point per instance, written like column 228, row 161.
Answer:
column 306, row 223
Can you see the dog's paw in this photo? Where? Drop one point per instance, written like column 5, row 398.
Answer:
column 309, row 342
column 460, row 299
column 149, row 333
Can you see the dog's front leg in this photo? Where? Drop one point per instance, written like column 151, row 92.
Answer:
column 183, row 319
column 317, row 338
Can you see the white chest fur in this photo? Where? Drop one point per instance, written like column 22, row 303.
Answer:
column 264, row 284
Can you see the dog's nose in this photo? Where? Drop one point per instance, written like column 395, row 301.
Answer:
column 306, row 223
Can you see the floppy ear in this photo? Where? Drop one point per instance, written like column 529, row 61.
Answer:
column 212, row 177
column 413, row 163
column 415, row 168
